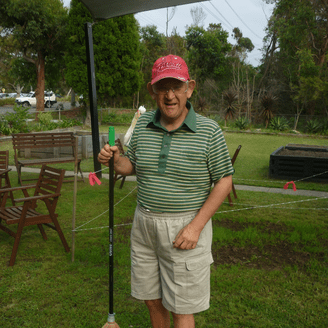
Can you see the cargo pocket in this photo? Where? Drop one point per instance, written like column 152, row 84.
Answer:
column 192, row 277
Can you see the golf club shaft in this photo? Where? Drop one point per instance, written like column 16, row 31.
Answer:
column 111, row 235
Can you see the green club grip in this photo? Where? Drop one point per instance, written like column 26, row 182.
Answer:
column 111, row 136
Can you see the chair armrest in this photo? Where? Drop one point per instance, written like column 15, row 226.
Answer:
column 4, row 171
column 16, row 188
column 30, row 199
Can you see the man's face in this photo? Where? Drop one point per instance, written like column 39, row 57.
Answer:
column 172, row 104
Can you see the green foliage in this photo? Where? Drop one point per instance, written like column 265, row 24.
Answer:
column 242, row 123
column 37, row 28
column 314, row 126
column 207, row 52
column 113, row 117
column 300, row 60
column 116, row 53
column 152, row 46
column 69, row 122
column 243, row 44
column 46, row 122
column 229, row 98
column 279, row 123
column 267, row 102
column 15, row 122
column 7, row 101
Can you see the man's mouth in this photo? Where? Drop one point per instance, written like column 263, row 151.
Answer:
column 170, row 104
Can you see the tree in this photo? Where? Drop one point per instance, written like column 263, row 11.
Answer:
column 169, row 17
column 198, row 16
column 243, row 45
column 38, row 27
column 298, row 48
column 116, row 53
column 153, row 46
column 176, row 44
column 207, row 52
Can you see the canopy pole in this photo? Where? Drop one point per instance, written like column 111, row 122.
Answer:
column 92, row 98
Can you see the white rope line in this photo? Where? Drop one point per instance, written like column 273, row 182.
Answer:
column 311, row 176
column 304, row 208
column 236, row 210
column 296, row 208
column 275, row 181
column 116, row 225
column 270, row 205
column 78, row 228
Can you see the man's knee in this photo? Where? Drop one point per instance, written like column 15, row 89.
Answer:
column 154, row 303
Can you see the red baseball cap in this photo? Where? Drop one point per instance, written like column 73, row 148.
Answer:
column 170, row 66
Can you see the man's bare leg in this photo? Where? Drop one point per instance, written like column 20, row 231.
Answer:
column 159, row 316
column 183, row 320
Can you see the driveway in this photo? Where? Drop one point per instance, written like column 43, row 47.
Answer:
column 9, row 108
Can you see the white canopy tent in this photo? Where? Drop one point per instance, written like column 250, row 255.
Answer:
column 102, row 10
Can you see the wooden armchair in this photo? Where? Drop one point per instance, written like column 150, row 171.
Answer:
column 46, row 190
column 4, row 177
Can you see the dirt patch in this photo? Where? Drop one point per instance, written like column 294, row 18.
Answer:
column 262, row 226
column 267, row 257
column 303, row 153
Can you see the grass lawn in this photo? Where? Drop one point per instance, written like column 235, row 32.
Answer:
column 270, row 251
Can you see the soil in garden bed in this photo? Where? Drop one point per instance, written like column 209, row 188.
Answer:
column 303, row 153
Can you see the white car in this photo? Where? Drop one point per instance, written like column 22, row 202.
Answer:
column 30, row 100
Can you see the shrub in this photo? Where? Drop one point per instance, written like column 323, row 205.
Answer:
column 4, row 127
column 45, row 122
column 242, row 123
column 279, row 123
column 113, row 117
column 267, row 102
column 15, row 122
column 67, row 123
column 229, row 98
column 313, row 126
column 7, row 101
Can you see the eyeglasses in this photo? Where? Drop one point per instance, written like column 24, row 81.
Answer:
column 178, row 89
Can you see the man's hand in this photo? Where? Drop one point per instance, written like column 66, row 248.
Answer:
column 187, row 238
column 107, row 153
column 122, row 165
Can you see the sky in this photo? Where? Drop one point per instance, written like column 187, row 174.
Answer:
column 250, row 16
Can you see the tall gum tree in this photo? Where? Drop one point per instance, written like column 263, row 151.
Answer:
column 38, row 26
column 299, row 35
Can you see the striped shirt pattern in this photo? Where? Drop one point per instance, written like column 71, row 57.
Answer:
column 175, row 170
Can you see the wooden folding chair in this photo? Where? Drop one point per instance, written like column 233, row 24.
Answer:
column 233, row 187
column 4, row 177
column 46, row 190
column 118, row 177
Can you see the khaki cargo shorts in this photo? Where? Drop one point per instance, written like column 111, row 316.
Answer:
column 181, row 278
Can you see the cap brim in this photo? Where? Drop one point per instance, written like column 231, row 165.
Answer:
column 162, row 77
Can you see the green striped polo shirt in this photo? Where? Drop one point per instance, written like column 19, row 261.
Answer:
column 175, row 169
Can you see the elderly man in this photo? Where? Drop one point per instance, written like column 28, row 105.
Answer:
column 177, row 155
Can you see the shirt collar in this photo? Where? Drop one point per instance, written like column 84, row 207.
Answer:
column 190, row 120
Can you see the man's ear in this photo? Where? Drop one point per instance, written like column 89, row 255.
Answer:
column 191, row 87
column 150, row 90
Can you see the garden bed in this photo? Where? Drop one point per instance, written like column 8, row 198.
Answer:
column 298, row 161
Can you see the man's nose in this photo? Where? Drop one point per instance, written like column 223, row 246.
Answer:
column 170, row 94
